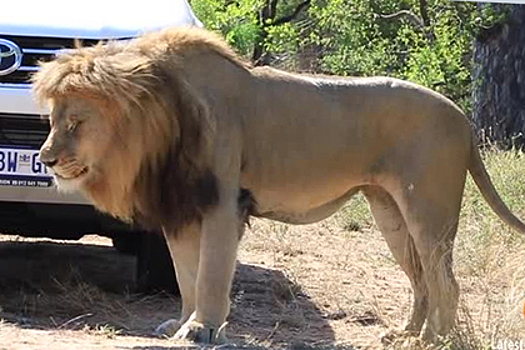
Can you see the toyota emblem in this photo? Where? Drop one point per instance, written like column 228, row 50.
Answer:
column 10, row 57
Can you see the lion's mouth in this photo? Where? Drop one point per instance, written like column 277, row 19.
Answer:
column 73, row 176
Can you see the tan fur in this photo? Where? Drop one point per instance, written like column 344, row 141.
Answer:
column 178, row 132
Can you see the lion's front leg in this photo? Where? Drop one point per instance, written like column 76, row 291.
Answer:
column 184, row 247
column 218, row 251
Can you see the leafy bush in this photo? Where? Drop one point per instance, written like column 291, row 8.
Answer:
column 428, row 42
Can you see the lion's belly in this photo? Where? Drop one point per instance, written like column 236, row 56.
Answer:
column 302, row 202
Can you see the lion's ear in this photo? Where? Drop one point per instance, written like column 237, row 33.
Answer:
column 197, row 127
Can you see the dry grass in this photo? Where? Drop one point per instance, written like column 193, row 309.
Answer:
column 332, row 285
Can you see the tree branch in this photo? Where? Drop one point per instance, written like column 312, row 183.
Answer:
column 412, row 17
column 293, row 15
column 423, row 8
column 422, row 24
column 273, row 8
column 266, row 19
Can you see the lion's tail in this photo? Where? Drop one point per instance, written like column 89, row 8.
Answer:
column 487, row 189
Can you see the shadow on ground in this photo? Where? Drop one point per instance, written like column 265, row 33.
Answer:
column 49, row 285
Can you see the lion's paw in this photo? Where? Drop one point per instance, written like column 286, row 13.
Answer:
column 168, row 328
column 405, row 339
column 200, row 333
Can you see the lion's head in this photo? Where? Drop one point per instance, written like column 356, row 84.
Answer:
column 128, row 131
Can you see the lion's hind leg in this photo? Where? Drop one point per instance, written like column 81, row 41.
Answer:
column 431, row 210
column 436, row 258
column 394, row 229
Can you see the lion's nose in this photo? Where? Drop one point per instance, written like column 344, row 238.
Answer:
column 49, row 162
column 46, row 158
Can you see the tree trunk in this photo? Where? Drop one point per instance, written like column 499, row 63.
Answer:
column 499, row 78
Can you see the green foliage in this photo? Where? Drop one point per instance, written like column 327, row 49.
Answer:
column 429, row 45
column 353, row 41
column 236, row 20
column 444, row 65
column 283, row 41
column 360, row 38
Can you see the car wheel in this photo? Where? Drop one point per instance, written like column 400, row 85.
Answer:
column 127, row 242
column 155, row 270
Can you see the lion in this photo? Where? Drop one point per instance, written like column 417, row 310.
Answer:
column 173, row 130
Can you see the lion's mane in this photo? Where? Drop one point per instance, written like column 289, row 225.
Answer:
column 160, row 174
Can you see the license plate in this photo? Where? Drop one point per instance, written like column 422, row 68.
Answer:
column 22, row 167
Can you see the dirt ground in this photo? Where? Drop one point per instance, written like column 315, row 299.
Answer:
column 79, row 294
column 319, row 286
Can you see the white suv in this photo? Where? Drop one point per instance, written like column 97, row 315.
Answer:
column 29, row 205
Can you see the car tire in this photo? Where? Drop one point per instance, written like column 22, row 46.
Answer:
column 127, row 243
column 154, row 269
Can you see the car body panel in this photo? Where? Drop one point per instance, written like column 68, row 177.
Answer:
column 100, row 19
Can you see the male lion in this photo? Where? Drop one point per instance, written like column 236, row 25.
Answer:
column 173, row 130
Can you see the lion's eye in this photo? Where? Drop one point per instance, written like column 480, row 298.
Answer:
column 73, row 126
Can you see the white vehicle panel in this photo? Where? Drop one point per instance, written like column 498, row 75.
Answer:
column 98, row 19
